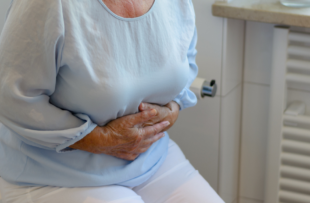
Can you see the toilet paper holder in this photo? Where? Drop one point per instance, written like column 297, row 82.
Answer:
column 203, row 88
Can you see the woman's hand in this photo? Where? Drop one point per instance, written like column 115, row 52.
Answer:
column 169, row 112
column 125, row 137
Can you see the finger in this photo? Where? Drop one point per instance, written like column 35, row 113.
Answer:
column 139, row 150
column 146, row 106
column 162, row 112
column 141, row 117
column 154, row 130
column 127, row 156
column 147, row 124
column 148, row 142
column 142, row 150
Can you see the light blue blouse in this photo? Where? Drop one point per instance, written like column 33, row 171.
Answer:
column 67, row 66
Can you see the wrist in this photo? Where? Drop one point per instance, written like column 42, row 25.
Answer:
column 89, row 142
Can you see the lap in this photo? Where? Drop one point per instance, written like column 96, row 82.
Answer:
column 175, row 182
column 106, row 194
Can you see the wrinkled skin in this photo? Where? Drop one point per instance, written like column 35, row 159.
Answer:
column 131, row 135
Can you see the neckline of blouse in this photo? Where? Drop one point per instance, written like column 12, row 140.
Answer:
column 129, row 19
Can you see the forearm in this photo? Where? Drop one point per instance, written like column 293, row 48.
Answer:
column 90, row 142
column 123, row 137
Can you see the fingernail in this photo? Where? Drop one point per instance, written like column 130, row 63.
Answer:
column 142, row 106
column 166, row 123
column 153, row 112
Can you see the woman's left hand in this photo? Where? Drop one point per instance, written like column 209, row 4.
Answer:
column 169, row 112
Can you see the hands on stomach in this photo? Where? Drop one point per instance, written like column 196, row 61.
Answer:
column 131, row 135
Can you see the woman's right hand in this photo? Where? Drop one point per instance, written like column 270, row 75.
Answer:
column 124, row 137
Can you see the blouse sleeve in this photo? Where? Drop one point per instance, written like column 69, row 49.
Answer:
column 187, row 98
column 30, row 53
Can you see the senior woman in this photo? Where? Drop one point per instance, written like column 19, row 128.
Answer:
column 87, row 90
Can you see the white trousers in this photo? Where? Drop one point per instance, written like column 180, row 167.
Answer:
column 175, row 182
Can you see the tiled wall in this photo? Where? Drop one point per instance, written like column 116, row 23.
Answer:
column 256, row 96
column 231, row 105
column 257, row 74
column 229, row 144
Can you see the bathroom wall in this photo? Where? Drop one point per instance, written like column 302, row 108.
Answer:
column 231, row 106
column 256, row 96
column 257, row 74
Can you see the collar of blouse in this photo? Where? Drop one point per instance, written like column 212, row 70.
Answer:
column 129, row 8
